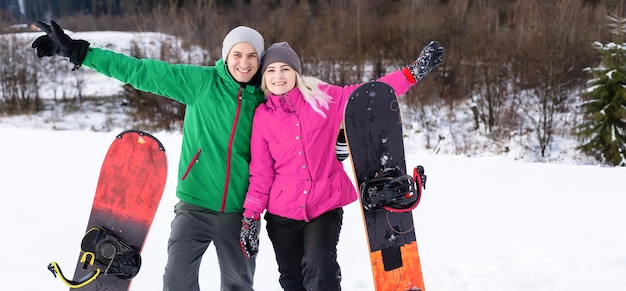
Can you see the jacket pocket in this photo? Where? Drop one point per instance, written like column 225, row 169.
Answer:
column 341, row 189
column 193, row 161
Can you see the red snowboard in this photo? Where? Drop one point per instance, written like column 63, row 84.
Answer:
column 131, row 183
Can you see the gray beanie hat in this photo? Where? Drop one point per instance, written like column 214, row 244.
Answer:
column 243, row 34
column 281, row 52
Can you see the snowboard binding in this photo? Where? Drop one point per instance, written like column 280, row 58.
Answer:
column 392, row 190
column 119, row 258
column 104, row 249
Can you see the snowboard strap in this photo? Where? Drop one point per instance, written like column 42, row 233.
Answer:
column 118, row 258
column 392, row 190
column 55, row 269
column 102, row 248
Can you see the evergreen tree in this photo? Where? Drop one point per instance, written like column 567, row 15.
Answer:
column 604, row 126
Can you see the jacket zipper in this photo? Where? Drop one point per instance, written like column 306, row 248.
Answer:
column 230, row 149
column 193, row 162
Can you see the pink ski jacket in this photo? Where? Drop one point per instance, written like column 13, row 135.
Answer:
column 294, row 172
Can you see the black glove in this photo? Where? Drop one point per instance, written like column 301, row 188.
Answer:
column 419, row 176
column 430, row 57
column 56, row 42
column 341, row 147
column 249, row 236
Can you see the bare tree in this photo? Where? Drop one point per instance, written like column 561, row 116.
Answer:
column 554, row 54
column 18, row 88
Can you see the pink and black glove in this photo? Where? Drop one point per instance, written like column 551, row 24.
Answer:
column 430, row 57
column 249, row 236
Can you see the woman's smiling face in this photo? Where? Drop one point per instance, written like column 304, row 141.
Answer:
column 280, row 78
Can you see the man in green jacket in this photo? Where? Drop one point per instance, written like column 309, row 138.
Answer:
column 213, row 168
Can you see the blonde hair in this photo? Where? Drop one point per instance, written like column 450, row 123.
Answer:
column 310, row 88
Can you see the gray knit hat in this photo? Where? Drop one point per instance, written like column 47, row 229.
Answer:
column 243, row 34
column 281, row 52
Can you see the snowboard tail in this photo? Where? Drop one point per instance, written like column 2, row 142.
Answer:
column 129, row 190
column 374, row 132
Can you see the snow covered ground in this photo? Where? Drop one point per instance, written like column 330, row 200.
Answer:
column 485, row 223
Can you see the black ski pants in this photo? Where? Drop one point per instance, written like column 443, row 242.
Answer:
column 306, row 252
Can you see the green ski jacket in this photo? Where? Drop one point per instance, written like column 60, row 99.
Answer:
column 215, row 154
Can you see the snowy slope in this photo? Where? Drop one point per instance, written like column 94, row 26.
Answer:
column 484, row 223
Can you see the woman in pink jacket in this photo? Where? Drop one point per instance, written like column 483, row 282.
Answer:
column 294, row 173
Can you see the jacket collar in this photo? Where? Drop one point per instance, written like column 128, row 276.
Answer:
column 290, row 102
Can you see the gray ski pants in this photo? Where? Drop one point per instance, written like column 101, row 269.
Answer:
column 193, row 230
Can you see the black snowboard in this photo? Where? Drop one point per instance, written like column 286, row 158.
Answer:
column 373, row 129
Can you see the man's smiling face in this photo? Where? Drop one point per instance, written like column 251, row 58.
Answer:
column 242, row 62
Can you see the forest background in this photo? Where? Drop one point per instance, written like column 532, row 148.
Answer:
column 513, row 69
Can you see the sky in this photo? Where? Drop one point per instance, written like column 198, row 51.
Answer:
column 487, row 222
